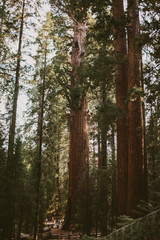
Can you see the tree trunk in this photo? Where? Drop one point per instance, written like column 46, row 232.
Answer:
column 104, row 148
column 78, row 163
column 1, row 25
column 100, row 162
column 20, row 216
column 114, row 177
column 16, row 91
column 58, row 184
column 137, row 185
column 39, row 149
column 12, row 128
column 104, row 129
column 121, row 94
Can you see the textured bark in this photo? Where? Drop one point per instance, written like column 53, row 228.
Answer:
column 121, row 93
column 78, row 163
column 137, row 185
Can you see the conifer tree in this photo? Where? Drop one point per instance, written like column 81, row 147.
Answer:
column 38, row 160
column 12, row 129
column 121, row 94
column 132, row 172
column 78, row 164
column 137, row 172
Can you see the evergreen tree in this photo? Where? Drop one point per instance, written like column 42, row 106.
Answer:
column 121, row 94
column 10, row 171
column 137, row 172
column 78, row 165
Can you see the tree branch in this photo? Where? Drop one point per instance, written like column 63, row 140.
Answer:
column 62, row 7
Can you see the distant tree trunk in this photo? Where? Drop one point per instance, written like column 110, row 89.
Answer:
column 58, row 185
column 121, row 94
column 114, row 182
column 21, row 215
column 16, row 91
column 100, row 162
column 78, row 164
column 12, row 128
column 102, row 187
column 103, row 129
column 152, row 148
column 38, row 160
column 104, row 149
column 137, row 176
column 94, row 162
column 2, row 14
column 1, row 25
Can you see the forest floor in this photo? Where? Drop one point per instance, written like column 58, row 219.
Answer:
column 53, row 230
column 65, row 235
column 56, row 232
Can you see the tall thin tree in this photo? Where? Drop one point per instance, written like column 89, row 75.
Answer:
column 38, row 161
column 13, row 128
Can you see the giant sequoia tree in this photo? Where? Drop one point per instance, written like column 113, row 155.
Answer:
column 78, row 165
column 78, row 162
column 137, row 172
column 121, row 94
column 132, row 173
column 83, row 69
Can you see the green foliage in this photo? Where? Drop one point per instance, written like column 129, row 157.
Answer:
column 106, row 114
column 78, row 9
column 95, row 77
column 144, row 227
column 100, row 201
column 134, row 93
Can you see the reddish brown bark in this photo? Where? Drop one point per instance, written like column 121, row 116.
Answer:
column 137, row 185
column 78, row 163
column 121, row 93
